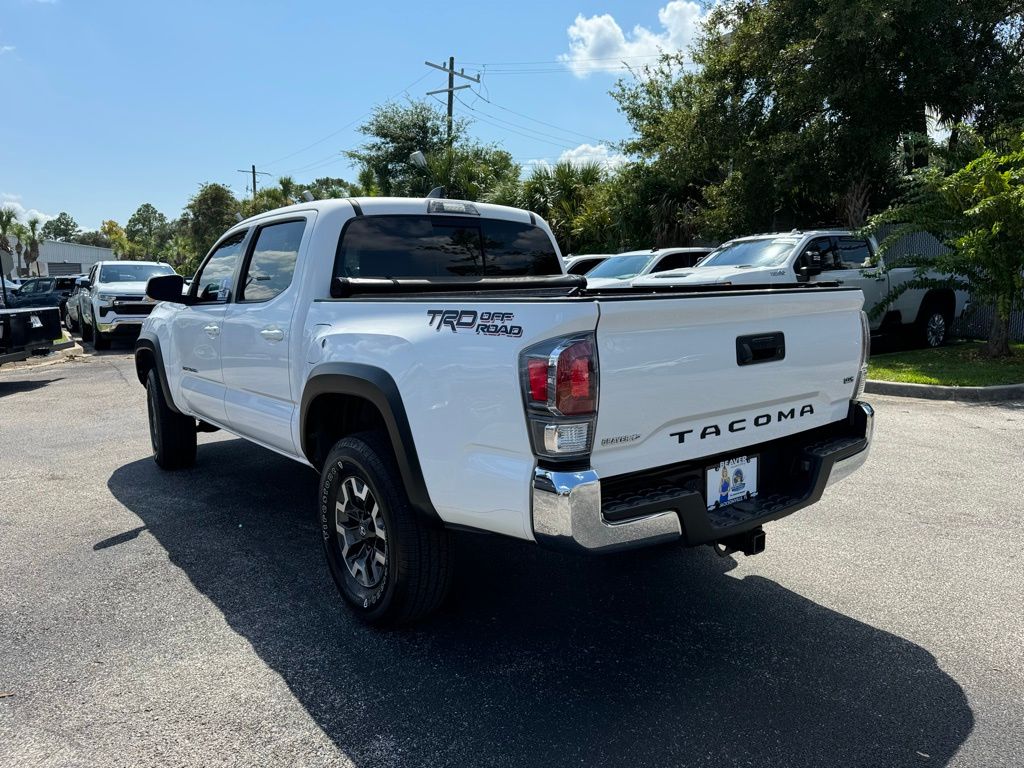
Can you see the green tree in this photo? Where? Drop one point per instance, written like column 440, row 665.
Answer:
column 92, row 237
column 63, row 228
column 8, row 220
column 115, row 235
column 210, row 212
column 795, row 109
column 32, row 237
column 20, row 233
column 148, row 230
column 566, row 196
column 395, row 131
column 327, row 187
column 286, row 192
column 978, row 211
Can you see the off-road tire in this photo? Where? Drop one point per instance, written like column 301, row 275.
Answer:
column 417, row 568
column 172, row 435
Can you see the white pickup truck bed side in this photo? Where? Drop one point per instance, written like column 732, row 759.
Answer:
column 554, row 414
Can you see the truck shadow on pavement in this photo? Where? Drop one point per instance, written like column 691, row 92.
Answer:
column 652, row 658
column 13, row 386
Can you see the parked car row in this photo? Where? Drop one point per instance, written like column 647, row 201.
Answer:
column 38, row 292
column 111, row 300
column 815, row 256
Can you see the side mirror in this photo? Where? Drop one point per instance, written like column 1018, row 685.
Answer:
column 810, row 264
column 167, row 288
column 85, row 282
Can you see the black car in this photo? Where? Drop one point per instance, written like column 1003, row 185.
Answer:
column 42, row 292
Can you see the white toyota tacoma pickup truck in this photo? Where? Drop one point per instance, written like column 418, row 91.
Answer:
column 829, row 255
column 430, row 360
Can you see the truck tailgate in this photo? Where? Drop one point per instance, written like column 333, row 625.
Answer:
column 686, row 377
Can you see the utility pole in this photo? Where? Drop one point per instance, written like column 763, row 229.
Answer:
column 254, row 174
column 452, row 88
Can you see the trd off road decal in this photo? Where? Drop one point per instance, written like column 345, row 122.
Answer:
column 486, row 323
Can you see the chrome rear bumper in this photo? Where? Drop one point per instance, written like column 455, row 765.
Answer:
column 567, row 511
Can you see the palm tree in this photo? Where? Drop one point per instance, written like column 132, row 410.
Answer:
column 8, row 218
column 32, row 246
column 20, row 233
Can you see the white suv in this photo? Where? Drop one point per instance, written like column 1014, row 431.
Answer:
column 112, row 300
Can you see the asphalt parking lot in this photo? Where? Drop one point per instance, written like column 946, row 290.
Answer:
column 188, row 619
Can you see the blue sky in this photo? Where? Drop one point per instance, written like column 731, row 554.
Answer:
column 112, row 104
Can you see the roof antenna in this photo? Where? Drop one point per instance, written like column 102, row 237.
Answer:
column 436, row 192
column 307, row 196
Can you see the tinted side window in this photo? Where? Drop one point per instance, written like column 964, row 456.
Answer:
column 409, row 246
column 582, row 266
column 272, row 263
column 214, row 280
column 677, row 261
column 512, row 249
column 854, row 253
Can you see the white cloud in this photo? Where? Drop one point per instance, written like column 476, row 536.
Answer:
column 584, row 153
column 23, row 213
column 597, row 43
column 7, row 49
column 591, row 153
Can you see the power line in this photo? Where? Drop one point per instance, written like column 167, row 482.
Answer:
column 514, row 125
column 255, row 173
column 452, row 88
column 555, row 71
column 562, row 61
column 344, row 127
column 561, row 144
column 535, row 120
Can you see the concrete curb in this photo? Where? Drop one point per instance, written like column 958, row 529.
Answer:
column 936, row 392
column 58, row 354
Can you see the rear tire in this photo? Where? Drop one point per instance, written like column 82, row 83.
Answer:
column 390, row 563
column 172, row 435
column 933, row 325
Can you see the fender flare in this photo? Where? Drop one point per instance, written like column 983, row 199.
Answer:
column 150, row 345
column 375, row 385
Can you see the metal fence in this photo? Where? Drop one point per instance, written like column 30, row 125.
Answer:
column 977, row 322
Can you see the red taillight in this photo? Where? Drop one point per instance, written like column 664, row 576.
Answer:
column 538, row 372
column 559, row 378
column 575, row 390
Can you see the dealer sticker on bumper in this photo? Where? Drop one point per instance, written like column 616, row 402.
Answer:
column 731, row 481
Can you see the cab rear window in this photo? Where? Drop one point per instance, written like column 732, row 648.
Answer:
column 443, row 246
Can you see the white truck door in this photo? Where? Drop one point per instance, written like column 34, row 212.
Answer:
column 258, row 336
column 197, row 331
column 858, row 266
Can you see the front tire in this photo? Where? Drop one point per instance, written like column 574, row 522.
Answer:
column 390, row 563
column 86, row 328
column 172, row 435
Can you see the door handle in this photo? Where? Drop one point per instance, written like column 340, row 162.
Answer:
column 272, row 333
column 212, row 330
